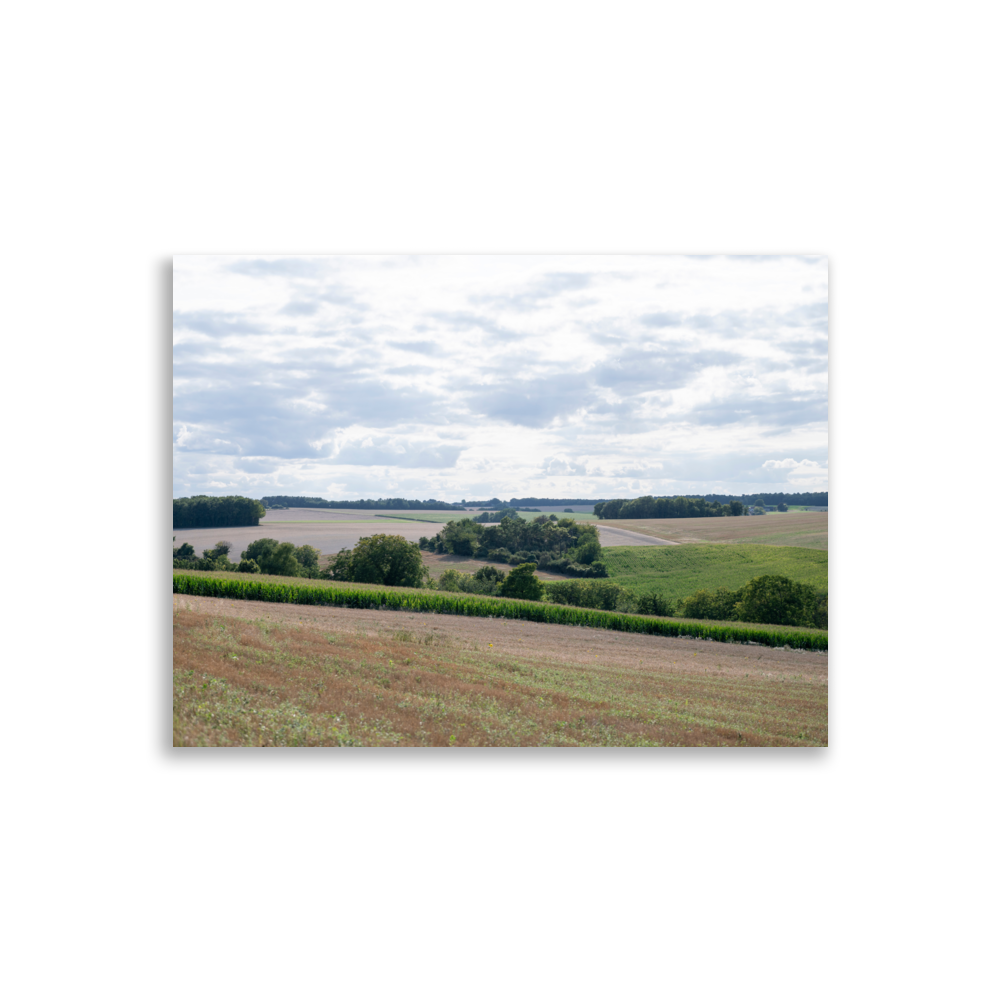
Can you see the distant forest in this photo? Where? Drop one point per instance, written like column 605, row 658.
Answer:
column 217, row 512
column 709, row 506
column 773, row 499
column 393, row 503
column 525, row 501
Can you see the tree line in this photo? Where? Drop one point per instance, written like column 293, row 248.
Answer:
column 773, row 499
column 392, row 503
column 217, row 512
column 532, row 501
column 650, row 506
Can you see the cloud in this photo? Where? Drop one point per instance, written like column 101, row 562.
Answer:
column 216, row 323
column 380, row 375
column 532, row 402
column 281, row 267
column 537, row 292
column 428, row 347
column 660, row 320
column 403, row 454
column 785, row 410
column 563, row 467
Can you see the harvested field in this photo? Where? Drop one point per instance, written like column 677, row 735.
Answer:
column 611, row 536
column 797, row 528
column 327, row 530
column 252, row 673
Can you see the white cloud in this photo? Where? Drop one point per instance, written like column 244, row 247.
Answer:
column 456, row 376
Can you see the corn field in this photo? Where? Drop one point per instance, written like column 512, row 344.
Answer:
column 487, row 607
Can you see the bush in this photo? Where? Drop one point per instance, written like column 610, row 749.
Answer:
column 273, row 557
column 719, row 605
column 776, row 600
column 521, row 582
column 387, row 559
column 247, row 566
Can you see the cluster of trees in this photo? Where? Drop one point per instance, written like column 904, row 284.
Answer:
column 217, row 512
column 266, row 555
column 559, row 546
column 386, row 559
column 768, row 600
column 496, row 516
column 392, row 503
column 650, row 506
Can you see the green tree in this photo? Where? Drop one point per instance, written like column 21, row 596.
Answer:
column 461, row 537
column 735, row 508
column 387, row 559
column 274, row 557
column 521, row 582
column 776, row 600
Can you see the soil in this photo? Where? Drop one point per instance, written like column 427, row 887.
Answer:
column 560, row 643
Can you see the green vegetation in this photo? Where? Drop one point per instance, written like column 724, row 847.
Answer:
column 560, row 546
column 675, row 572
column 608, row 596
column 389, row 560
column 217, row 512
column 253, row 588
column 772, row 599
column 522, row 583
column 648, row 506
column 393, row 503
column 486, row 580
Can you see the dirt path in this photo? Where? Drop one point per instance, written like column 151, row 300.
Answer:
column 560, row 643
column 620, row 536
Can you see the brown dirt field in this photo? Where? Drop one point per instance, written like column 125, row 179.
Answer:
column 260, row 674
column 329, row 537
column 805, row 529
column 563, row 643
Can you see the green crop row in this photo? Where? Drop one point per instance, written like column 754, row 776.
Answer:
column 486, row 607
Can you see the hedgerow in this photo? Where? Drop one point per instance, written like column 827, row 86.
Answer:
column 252, row 589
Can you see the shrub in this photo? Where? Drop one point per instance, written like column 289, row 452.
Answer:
column 776, row 600
column 719, row 605
column 385, row 559
column 247, row 566
column 521, row 582
column 273, row 557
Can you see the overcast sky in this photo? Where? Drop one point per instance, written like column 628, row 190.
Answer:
column 468, row 377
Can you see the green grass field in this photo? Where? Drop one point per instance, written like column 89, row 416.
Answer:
column 676, row 572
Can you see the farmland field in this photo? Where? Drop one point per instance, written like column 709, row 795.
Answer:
column 249, row 673
column 802, row 529
column 677, row 571
column 327, row 530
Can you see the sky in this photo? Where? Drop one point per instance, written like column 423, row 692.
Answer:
column 473, row 376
